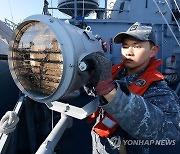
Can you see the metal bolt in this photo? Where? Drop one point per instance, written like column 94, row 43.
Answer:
column 51, row 20
column 71, row 65
column 67, row 108
column 82, row 66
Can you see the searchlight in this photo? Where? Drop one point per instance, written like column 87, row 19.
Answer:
column 44, row 57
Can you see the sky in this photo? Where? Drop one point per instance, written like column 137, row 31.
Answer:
column 18, row 10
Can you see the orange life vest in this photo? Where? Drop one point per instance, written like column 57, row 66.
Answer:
column 107, row 125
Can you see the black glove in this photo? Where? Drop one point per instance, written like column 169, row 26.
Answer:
column 101, row 72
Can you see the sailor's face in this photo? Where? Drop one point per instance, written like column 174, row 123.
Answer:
column 136, row 54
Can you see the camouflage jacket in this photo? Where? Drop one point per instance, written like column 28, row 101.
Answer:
column 155, row 116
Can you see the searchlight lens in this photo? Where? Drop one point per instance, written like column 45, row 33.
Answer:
column 37, row 59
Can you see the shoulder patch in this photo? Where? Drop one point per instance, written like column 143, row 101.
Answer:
column 140, row 82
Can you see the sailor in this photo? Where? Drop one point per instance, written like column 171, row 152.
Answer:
column 135, row 104
column 8, row 122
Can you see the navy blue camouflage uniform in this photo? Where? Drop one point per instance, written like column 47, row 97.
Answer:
column 155, row 116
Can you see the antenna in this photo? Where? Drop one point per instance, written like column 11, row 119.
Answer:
column 10, row 10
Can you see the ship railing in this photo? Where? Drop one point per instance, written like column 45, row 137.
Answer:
column 10, row 24
column 6, row 138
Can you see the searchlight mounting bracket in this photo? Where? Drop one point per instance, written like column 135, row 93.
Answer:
column 73, row 111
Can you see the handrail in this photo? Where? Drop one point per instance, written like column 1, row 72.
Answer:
column 5, row 138
column 177, row 5
column 10, row 24
column 173, row 14
column 167, row 22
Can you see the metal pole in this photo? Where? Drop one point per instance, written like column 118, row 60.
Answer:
column 105, row 9
column 177, row 5
column 75, row 9
column 47, row 147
